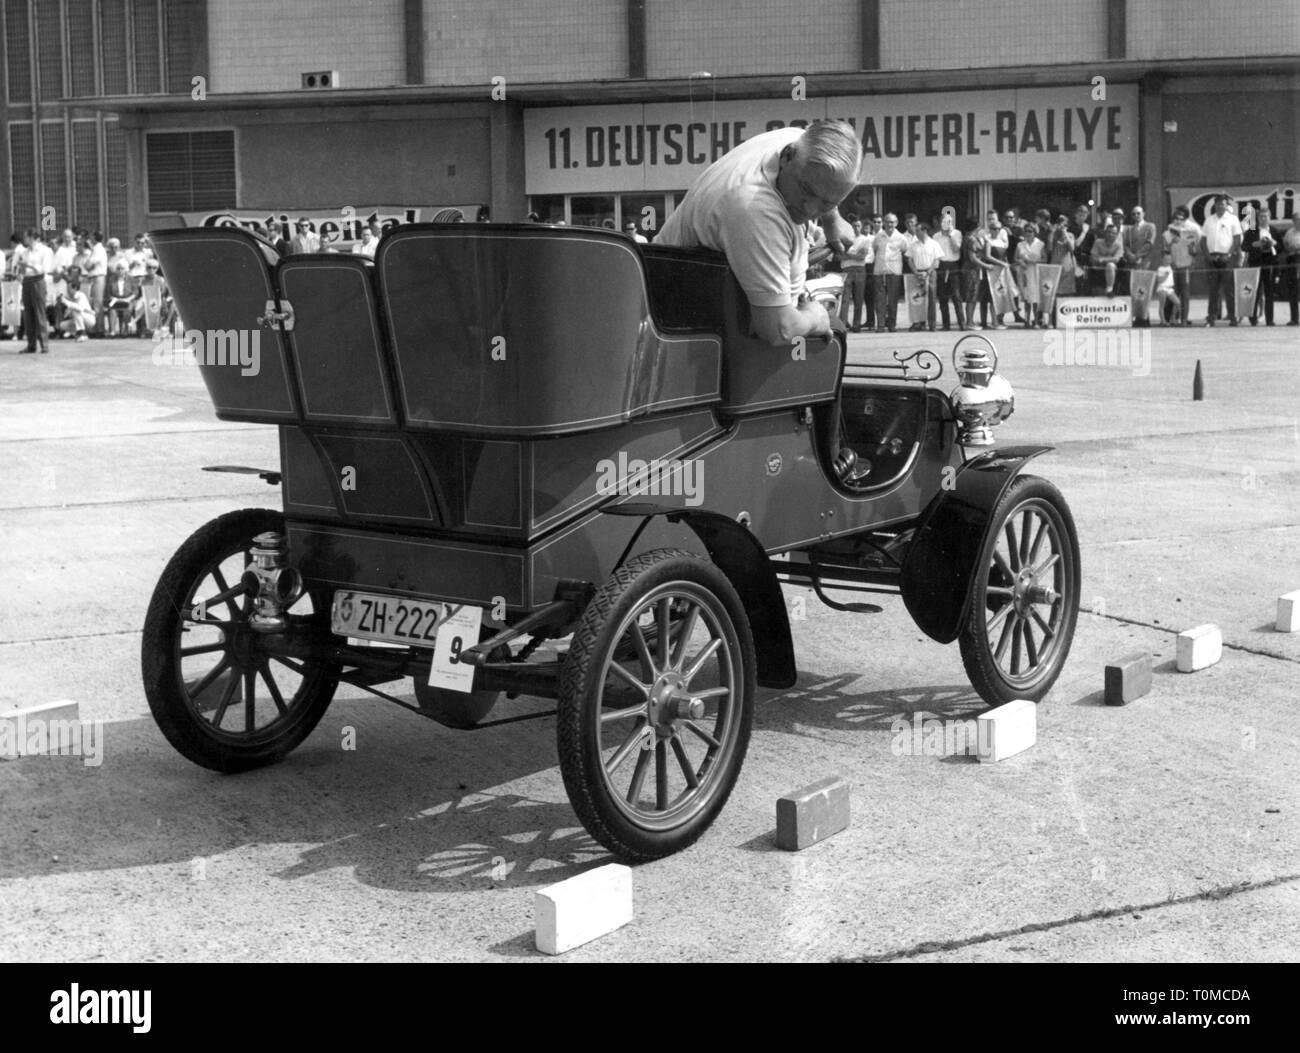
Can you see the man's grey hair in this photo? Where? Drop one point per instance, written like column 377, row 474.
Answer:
column 833, row 144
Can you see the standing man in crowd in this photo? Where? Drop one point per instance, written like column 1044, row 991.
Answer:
column 1141, row 252
column 755, row 204
column 97, row 274
column 1260, row 248
column 1220, row 244
column 1291, row 271
column 853, row 265
column 948, row 283
column 923, row 255
column 1182, row 242
column 887, row 272
column 1083, row 235
column 34, row 261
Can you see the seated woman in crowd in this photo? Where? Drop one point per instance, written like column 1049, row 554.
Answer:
column 119, row 299
column 1107, row 251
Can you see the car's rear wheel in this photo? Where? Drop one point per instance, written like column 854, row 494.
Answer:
column 227, row 697
column 656, row 703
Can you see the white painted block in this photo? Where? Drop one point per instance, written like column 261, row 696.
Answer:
column 1007, row 730
column 1199, row 647
column 17, row 725
column 582, row 908
column 1288, row 613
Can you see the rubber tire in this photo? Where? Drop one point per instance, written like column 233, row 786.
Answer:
column 580, row 762
column 976, row 653
column 188, row 732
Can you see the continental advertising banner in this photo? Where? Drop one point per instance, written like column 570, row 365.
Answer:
column 971, row 136
column 1278, row 198
column 338, row 228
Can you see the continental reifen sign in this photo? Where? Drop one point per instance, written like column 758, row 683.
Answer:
column 1031, row 133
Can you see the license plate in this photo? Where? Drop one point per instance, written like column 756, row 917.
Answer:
column 390, row 619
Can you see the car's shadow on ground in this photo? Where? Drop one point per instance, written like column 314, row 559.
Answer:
column 833, row 702
column 413, row 807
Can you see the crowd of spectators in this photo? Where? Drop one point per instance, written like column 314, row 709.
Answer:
column 90, row 286
column 962, row 265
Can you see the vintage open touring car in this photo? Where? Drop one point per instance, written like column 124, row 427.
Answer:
column 547, row 461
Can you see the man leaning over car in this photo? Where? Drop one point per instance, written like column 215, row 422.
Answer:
column 756, row 203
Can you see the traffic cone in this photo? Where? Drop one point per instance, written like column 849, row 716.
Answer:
column 1198, row 385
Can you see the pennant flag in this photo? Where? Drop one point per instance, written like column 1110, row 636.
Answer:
column 1049, row 277
column 914, row 287
column 1245, row 282
column 13, row 303
column 1002, row 290
column 1141, row 288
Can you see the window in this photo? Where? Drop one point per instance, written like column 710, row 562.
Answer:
column 927, row 201
column 190, row 170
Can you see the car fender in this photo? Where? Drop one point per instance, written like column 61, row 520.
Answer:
column 742, row 558
column 945, row 551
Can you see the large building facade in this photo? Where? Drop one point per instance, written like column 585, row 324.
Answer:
column 137, row 114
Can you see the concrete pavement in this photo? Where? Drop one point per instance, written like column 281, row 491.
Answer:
column 1166, row 830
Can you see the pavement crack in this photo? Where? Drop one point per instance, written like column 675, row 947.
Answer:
column 1174, row 632
column 939, row 946
column 71, row 636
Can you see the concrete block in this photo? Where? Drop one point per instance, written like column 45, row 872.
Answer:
column 1128, row 678
column 1007, row 730
column 17, row 725
column 812, row 814
column 1288, row 613
column 1199, row 647
column 577, row 911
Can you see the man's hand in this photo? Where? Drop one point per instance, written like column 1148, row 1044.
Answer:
column 839, row 234
column 780, row 325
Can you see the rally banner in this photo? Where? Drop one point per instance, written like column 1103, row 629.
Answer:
column 1002, row 290
column 994, row 134
column 1049, row 278
column 1245, row 283
column 12, row 292
column 915, row 286
column 338, row 228
column 1141, row 286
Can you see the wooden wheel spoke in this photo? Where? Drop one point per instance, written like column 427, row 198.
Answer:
column 297, row 667
column 1048, row 631
column 692, row 726
column 224, row 704
column 265, row 671
column 1031, row 651
column 638, row 777
column 1046, row 565
column 1016, row 630
column 661, row 775
column 190, row 652
column 1005, row 638
column 632, row 742
column 1038, row 541
column 1026, row 529
column 1001, row 563
column 619, row 671
column 684, row 762
column 684, row 631
column 226, row 593
column 708, row 651
column 663, row 622
column 1001, row 616
column 609, row 716
column 1013, row 547
column 250, row 699
column 643, row 652
column 210, row 676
